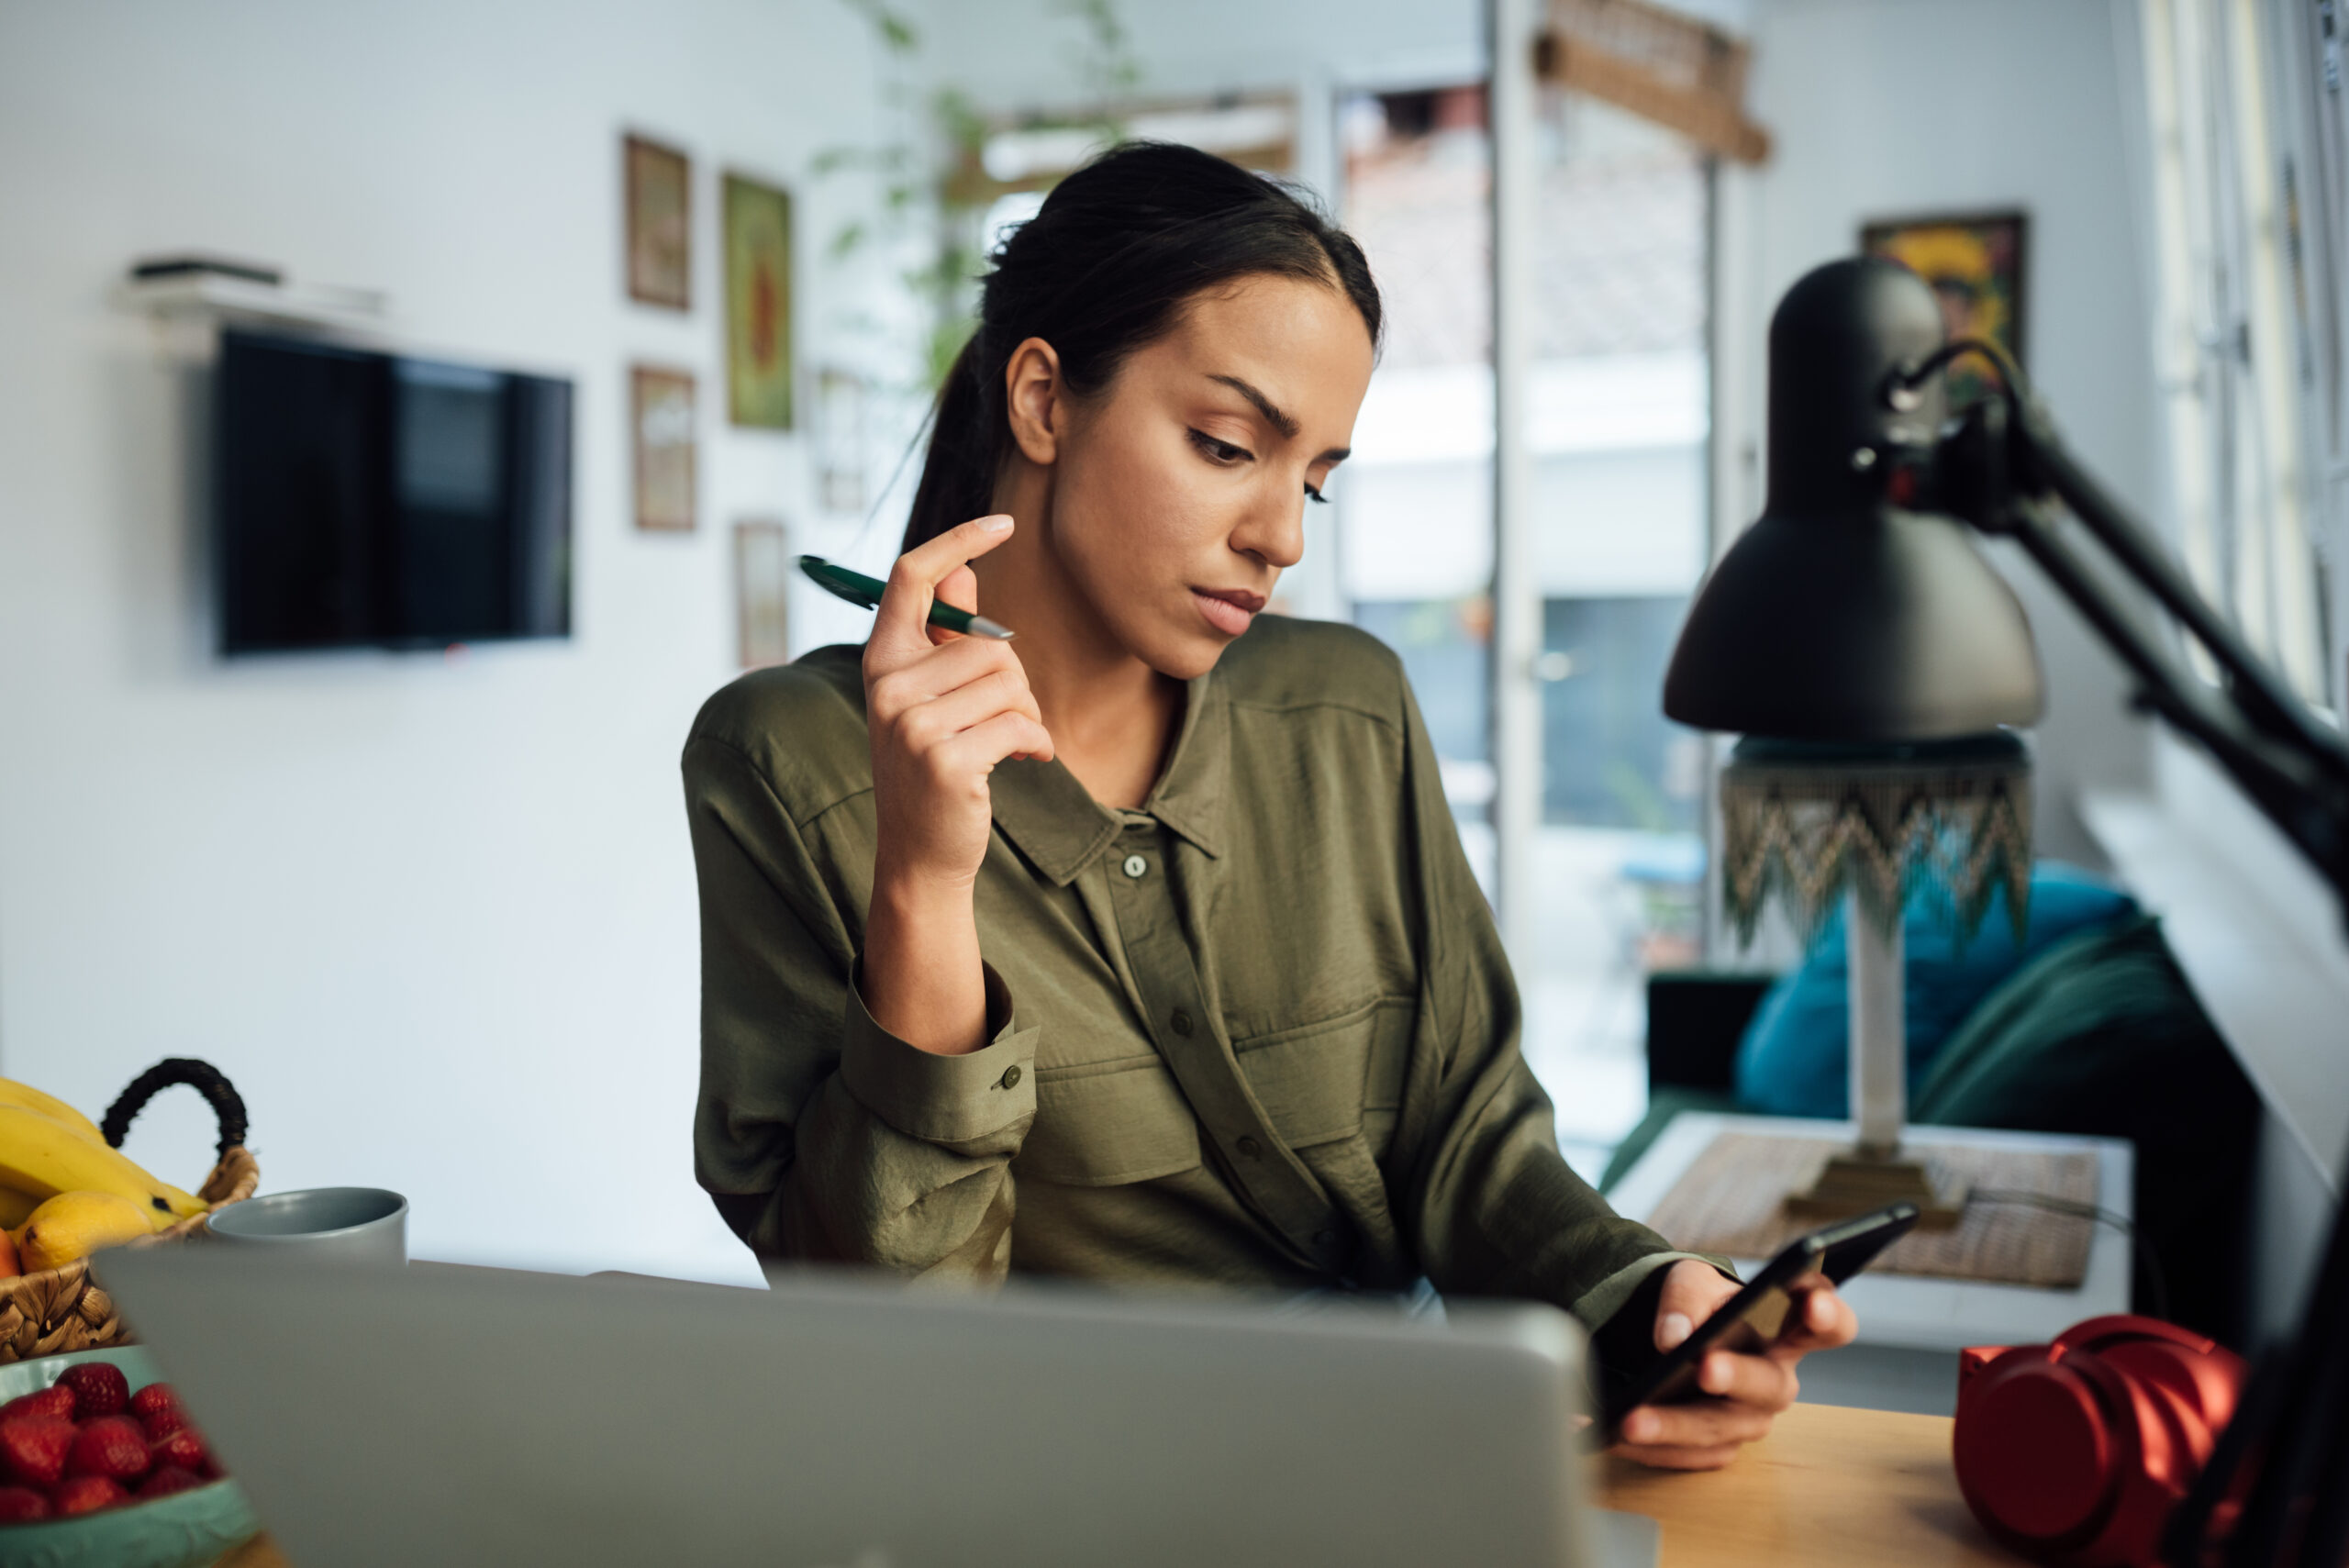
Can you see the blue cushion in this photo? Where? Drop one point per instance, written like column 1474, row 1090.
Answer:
column 1793, row 1058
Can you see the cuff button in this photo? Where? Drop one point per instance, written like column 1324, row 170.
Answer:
column 1010, row 1079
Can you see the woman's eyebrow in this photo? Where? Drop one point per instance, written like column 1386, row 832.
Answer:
column 1265, row 406
column 1276, row 416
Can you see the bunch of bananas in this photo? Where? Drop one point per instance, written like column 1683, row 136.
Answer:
column 65, row 1194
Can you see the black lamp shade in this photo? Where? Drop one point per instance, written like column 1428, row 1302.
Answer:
column 1839, row 616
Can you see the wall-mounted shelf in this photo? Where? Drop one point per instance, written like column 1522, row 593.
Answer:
column 216, row 296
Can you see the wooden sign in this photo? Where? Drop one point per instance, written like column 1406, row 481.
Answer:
column 1685, row 74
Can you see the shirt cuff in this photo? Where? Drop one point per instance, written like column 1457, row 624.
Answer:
column 942, row 1099
column 1608, row 1297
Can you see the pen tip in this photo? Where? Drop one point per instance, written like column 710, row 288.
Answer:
column 986, row 628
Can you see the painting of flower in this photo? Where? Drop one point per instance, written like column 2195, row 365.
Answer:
column 757, row 304
column 1976, row 265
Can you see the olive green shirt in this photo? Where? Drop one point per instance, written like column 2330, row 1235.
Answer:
column 1260, row 1032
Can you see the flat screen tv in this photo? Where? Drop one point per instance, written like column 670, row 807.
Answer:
column 371, row 500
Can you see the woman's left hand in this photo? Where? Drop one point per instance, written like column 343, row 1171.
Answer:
column 1744, row 1391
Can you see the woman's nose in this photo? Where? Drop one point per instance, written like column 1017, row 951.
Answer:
column 1275, row 531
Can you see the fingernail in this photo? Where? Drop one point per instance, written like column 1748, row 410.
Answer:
column 1709, row 1375
column 998, row 522
column 1639, row 1427
column 1674, row 1329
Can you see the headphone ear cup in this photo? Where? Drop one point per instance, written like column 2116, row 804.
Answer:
column 2075, row 1452
column 2035, row 1449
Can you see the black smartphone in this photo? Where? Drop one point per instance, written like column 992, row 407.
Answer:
column 1756, row 1315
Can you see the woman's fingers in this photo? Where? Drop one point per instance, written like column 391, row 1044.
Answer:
column 902, row 627
column 1821, row 1321
column 959, row 588
column 1693, row 1290
column 950, row 713
column 981, row 747
column 1700, row 1423
column 1760, row 1381
column 1716, row 1457
column 933, row 673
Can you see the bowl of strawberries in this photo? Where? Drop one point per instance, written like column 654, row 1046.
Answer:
column 100, row 1465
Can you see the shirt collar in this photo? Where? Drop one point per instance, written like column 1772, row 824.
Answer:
column 1056, row 823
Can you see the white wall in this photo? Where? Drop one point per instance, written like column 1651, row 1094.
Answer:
column 435, row 918
column 1889, row 109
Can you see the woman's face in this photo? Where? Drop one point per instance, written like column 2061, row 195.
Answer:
column 1179, row 491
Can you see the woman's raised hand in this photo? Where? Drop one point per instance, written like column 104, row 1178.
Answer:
column 942, row 710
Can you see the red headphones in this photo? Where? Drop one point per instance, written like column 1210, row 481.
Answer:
column 2075, row 1452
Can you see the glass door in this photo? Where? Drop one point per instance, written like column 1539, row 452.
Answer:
column 1618, row 424
column 1618, row 431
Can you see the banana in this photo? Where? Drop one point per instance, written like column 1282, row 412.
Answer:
column 15, row 1094
column 43, row 1157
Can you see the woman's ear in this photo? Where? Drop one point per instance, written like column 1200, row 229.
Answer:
column 1034, row 399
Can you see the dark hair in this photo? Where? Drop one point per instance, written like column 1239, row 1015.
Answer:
column 1104, row 268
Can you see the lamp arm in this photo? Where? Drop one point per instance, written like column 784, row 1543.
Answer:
column 2292, row 1430
column 2297, row 788
column 2264, row 698
column 2024, row 455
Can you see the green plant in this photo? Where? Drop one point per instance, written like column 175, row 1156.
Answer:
column 930, row 167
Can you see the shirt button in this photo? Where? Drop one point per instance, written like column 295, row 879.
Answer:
column 1136, row 865
column 1182, row 1022
column 1251, row 1148
column 1010, row 1079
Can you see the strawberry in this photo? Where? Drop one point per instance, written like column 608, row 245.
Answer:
column 19, row 1505
column 167, row 1479
column 154, row 1397
column 99, row 1389
column 184, row 1447
column 162, row 1422
column 87, row 1495
column 33, row 1448
column 54, row 1400
column 112, row 1446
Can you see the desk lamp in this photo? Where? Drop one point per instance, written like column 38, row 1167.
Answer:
column 1854, row 626
column 1872, row 660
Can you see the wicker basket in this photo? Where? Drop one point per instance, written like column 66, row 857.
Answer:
column 60, row 1309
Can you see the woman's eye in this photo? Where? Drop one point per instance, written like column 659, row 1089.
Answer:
column 1218, row 451
column 1313, row 493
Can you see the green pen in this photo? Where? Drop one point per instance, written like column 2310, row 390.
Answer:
column 859, row 589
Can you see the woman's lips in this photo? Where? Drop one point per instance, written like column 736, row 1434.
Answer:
column 1229, row 610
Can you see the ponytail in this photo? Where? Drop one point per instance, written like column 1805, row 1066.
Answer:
column 1104, row 268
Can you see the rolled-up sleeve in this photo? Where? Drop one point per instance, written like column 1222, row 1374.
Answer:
column 820, row 1136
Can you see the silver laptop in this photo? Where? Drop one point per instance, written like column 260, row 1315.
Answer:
column 476, row 1416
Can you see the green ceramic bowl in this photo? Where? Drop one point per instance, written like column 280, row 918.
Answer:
column 186, row 1529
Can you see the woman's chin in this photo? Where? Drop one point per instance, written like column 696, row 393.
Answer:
column 1184, row 657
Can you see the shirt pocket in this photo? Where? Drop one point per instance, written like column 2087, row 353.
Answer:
column 1338, row 1078
column 1101, row 1124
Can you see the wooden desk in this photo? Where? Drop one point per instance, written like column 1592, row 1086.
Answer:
column 1828, row 1488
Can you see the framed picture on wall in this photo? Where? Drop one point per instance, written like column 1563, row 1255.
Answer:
column 839, row 435
column 1975, row 261
column 661, row 427
column 659, row 224
column 761, row 592
column 757, row 304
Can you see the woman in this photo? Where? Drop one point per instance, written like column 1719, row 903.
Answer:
column 1147, row 952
